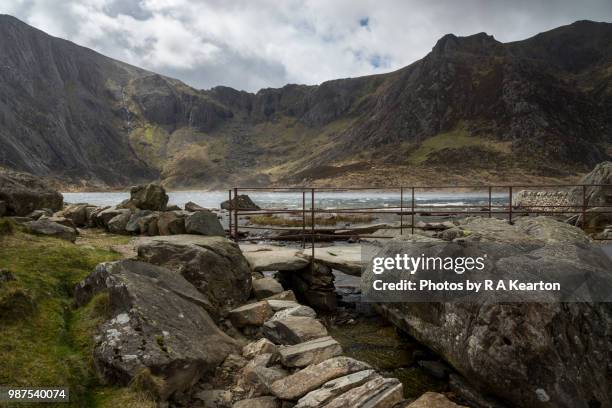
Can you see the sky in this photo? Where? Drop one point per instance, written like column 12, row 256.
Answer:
column 254, row 44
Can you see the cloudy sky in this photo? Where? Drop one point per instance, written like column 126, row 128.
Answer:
column 253, row 44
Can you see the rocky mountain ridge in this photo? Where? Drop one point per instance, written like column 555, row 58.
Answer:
column 472, row 109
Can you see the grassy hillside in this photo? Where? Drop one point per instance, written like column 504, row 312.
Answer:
column 44, row 340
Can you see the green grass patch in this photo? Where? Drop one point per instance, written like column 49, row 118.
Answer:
column 274, row 220
column 454, row 139
column 44, row 341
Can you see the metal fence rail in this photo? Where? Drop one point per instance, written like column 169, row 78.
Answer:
column 408, row 208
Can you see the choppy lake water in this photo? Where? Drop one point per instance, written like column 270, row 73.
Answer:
column 292, row 200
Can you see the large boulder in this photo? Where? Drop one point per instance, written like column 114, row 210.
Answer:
column 77, row 213
column 134, row 224
column 24, row 193
column 240, row 202
column 160, row 334
column 118, row 223
column 525, row 353
column 203, row 222
column 52, row 229
column 103, row 217
column 148, row 197
column 599, row 196
column 214, row 265
column 171, row 223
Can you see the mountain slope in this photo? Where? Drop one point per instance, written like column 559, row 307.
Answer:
column 473, row 109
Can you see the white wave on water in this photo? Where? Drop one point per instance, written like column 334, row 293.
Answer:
column 293, row 200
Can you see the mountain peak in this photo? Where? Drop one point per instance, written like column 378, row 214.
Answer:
column 476, row 43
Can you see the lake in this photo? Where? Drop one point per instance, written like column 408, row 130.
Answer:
column 293, row 200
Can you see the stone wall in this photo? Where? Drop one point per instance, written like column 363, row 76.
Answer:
column 532, row 200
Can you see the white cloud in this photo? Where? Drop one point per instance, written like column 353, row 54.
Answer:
column 265, row 43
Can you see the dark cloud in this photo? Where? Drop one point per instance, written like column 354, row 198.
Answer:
column 266, row 43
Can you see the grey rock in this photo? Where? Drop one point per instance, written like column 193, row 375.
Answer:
column 241, row 202
column 177, row 344
column 53, row 229
column 148, row 224
column 171, row 223
column 285, row 295
column 376, row 393
column 261, row 346
column 312, row 377
column 310, row 352
column 334, row 388
column 257, row 376
column 599, row 196
column 433, row 400
column 59, row 220
column 23, row 193
column 134, row 224
column 260, row 402
column 118, row 223
column 293, row 330
column 107, row 214
column 266, row 287
column 77, row 213
column 193, row 207
column 273, row 258
column 565, row 341
column 214, row 265
column 36, row 214
column 252, row 314
column 203, row 222
column 299, row 310
column 278, row 305
column 149, row 197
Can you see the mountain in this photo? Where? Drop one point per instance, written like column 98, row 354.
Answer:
column 473, row 109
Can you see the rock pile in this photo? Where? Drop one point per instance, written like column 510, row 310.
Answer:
column 295, row 363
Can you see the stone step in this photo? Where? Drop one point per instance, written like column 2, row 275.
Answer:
column 334, row 388
column 293, row 330
column 312, row 377
column 310, row 352
column 376, row 393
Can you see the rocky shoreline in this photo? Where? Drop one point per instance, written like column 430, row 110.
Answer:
column 195, row 319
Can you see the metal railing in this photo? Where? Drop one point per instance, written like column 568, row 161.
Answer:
column 408, row 206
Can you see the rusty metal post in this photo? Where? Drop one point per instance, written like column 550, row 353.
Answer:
column 510, row 204
column 412, row 212
column 401, row 210
column 490, row 201
column 231, row 233
column 236, row 213
column 584, row 206
column 312, row 228
column 303, row 219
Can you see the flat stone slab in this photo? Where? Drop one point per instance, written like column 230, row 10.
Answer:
column 251, row 314
column 334, row 388
column 273, row 258
column 344, row 258
column 293, row 330
column 376, row 393
column 310, row 352
column 312, row 377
